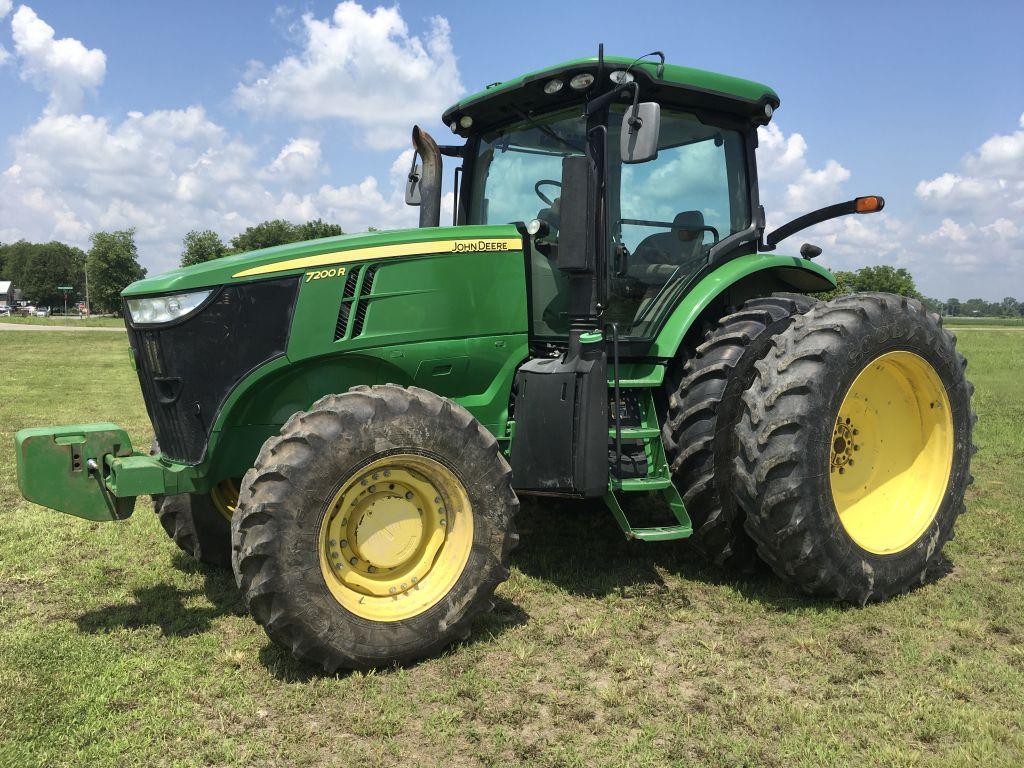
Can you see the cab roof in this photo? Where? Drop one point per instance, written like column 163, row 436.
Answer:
column 683, row 86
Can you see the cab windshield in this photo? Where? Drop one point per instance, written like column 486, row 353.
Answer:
column 665, row 215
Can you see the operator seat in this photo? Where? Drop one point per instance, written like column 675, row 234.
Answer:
column 660, row 255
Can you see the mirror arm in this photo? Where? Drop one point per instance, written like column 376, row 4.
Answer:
column 857, row 205
column 600, row 102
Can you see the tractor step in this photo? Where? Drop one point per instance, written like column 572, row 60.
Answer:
column 633, row 484
column 683, row 529
column 636, row 433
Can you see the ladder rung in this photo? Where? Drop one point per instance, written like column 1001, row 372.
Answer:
column 662, row 533
column 644, row 483
column 634, row 433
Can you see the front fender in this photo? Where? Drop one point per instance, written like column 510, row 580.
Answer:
column 777, row 273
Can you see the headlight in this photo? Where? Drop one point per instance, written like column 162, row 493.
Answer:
column 552, row 86
column 582, row 81
column 164, row 309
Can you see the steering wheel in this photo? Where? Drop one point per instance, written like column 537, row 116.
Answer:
column 536, row 188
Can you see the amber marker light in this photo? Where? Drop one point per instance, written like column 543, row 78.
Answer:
column 870, row 204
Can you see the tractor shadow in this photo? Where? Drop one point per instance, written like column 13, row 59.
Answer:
column 170, row 609
column 577, row 546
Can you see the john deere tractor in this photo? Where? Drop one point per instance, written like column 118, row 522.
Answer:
column 349, row 422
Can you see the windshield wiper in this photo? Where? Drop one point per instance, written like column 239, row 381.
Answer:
column 548, row 131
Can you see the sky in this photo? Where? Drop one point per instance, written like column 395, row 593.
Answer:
column 169, row 117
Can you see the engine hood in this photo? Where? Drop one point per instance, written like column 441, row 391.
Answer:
column 297, row 258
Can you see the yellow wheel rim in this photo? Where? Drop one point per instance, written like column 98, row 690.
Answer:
column 891, row 452
column 396, row 537
column 225, row 497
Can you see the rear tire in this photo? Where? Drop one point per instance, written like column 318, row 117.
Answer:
column 855, row 448
column 704, row 406
column 338, row 587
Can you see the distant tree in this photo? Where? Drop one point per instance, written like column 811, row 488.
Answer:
column 976, row 307
column 312, row 230
column 50, row 265
column 202, row 246
column 265, row 235
column 16, row 257
column 844, row 285
column 933, row 305
column 113, row 263
column 953, row 307
column 1009, row 307
column 884, row 279
column 38, row 268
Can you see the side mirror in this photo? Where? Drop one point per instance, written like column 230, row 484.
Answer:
column 641, row 125
column 412, row 184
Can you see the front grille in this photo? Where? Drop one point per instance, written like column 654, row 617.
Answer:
column 187, row 369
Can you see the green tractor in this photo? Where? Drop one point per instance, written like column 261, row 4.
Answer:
column 348, row 422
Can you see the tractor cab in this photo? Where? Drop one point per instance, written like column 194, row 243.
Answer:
column 664, row 186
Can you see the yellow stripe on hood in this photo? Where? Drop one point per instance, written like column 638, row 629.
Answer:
column 474, row 245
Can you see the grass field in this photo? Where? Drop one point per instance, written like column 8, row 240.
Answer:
column 115, row 650
column 88, row 322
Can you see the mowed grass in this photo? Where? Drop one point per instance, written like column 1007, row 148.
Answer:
column 87, row 322
column 985, row 322
column 117, row 650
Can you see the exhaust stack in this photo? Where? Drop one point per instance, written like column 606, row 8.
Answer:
column 430, row 177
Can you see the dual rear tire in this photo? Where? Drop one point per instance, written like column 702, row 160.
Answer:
column 830, row 440
column 855, row 448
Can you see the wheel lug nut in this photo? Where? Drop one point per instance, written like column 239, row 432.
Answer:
column 437, row 499
column 840, row 470
column 353, row 560
column 371, row 569
column 344, row 543
column 408, row 495
column 392, row 590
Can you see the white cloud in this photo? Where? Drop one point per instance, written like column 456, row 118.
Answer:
column 298, row 160
column 63, row 68
column 5, row 7
column 963, row 239
column 989, row 183
column 361, row 67
column 167, row 172
column 163, row 172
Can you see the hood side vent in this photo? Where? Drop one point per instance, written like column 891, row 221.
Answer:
column 358, row 286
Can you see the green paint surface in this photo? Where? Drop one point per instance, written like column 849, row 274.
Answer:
column 683, row 77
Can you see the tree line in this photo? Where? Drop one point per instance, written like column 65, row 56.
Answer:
column 888, row 279
column 206, row 245
column 112, row 261
column 40, row 269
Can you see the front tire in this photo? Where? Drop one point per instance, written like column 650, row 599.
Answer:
column 199, row 523
column 374, row 528
column 855, row 448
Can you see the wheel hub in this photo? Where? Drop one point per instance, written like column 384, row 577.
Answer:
column 844, row 443
column 387, row 533
column 891, row 452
